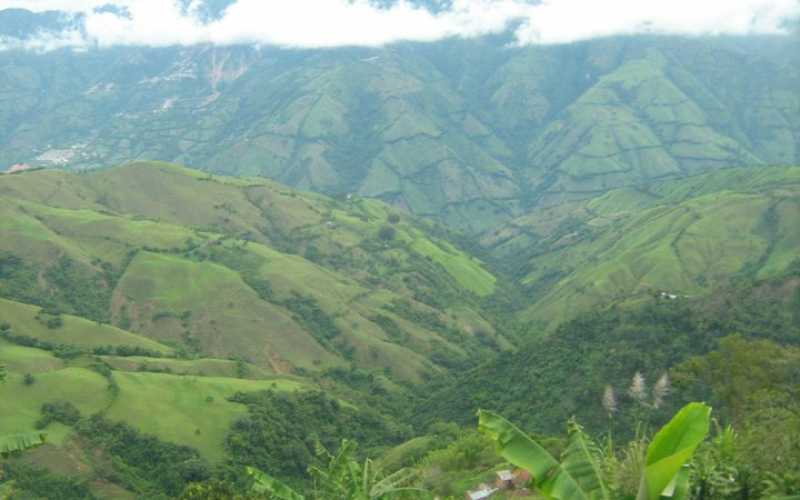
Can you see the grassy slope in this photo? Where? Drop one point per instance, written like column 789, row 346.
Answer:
column 187, row 410
column 170, row 406
column 466, row 130
column 186, row 220
column 469, row 273
column 228, row 318
column 22, row 403
column 75, row 331
column 683, row 237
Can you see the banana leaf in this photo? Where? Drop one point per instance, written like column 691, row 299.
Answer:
column 577, row 478
column 262, row 483
column 672, row 447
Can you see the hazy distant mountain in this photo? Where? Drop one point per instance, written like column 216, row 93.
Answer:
column 471, row 132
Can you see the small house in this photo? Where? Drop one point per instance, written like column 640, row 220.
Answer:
column 505, row 480
column 483, row 492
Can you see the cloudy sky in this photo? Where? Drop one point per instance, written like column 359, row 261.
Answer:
column 333, row 23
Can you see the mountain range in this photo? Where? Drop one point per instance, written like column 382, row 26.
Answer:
column 473, row 133
column 214, row 257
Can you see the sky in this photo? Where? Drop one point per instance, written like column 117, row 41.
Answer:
column 337, row 23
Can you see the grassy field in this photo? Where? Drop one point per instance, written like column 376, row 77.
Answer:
column 467, row 271
column 225, row 316
column 184, row 409
column 75, row 331
column 22, row 403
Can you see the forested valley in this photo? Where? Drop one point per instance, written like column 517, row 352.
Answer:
column 462, row 266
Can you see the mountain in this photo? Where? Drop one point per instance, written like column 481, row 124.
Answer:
column 470, row 132
column 372, row 243
column 682, row 237
column 244, row 269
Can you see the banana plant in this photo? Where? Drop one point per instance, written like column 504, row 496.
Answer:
column 343, row 478
column 579, row 475
column 264, row 484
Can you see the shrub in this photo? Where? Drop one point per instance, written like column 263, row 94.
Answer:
column 387, row 233
column 63, row 412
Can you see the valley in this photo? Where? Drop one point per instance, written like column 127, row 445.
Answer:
column 239, row 268
column 159, row 297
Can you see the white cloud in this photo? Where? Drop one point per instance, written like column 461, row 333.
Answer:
column 560, row 21
column 334, row 23
column 46, row 42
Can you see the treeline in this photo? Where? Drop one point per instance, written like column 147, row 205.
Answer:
column 137, row 462
column 567, row 373
column 282, row 431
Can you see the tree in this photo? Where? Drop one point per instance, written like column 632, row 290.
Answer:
column 387, row 233
column 580, row 475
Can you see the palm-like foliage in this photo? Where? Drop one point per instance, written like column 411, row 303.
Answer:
column 346, row 478
column 342, row 478
column 672, row 447
column 265, row 484
column 580, row 473
column 577, row 477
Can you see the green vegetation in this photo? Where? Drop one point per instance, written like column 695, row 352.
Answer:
column 146, row 465
column 261, row 326
column 194, row 411
column 580, row 474
column 282, row 432
column 128, row 256
column 28, row 329
column 39, row 483
column 343, row 477
column 571, row 368
column 682, row 238
column 466, row 130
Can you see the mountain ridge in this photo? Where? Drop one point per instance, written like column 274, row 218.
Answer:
column 469, row 132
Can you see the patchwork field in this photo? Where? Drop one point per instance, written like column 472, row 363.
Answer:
column 683, row 238
column 236, row 268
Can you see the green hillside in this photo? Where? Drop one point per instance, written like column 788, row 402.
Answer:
column 29, row 322
column 241, row 268
column 228, row 270
column 566, row 373
column 180, row 410
column 682, row 238
column 473, row 133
